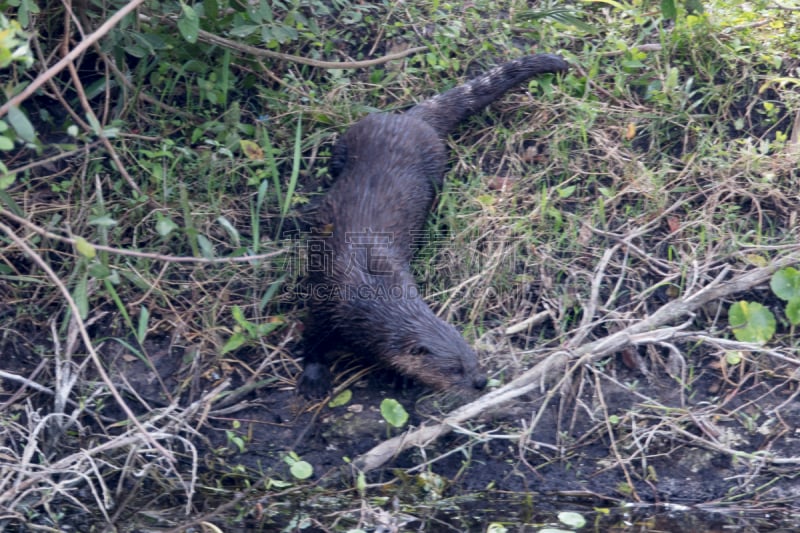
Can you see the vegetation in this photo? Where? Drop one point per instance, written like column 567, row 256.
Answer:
column 604, row 239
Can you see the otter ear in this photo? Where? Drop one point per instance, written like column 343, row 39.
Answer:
column 419, row 350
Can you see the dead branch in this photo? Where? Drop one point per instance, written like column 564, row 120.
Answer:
column 42, row 78
column 586, row 354
column 261, row 52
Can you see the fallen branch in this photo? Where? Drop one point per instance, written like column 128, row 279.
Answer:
column 588, row 353
column 252, row 51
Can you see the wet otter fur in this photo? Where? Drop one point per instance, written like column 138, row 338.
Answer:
column 363, row 298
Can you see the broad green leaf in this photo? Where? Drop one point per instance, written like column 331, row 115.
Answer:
column 572, row 519
column 668, row 10
column 785, row 283
column 21, row 124
column 189, row 23
column 394, row 413
column 165, row 226
column 733, row 357
column 751, row 322
column 301, row 470
column 6, row 181
column 251, row 150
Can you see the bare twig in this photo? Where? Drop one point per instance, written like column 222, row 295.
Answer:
column 260, row 52
column 28, row 383
column 71, row 56
column 146, row 255
column 529, row 322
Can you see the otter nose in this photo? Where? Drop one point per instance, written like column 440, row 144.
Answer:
column 479, row 382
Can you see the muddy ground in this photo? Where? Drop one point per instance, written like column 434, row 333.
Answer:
column 644, row 475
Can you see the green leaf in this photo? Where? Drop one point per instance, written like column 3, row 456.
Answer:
column 81, row 295
column 233, row 233
column 141, row 331
column 189, row 24
column 343, row 398
column 104, row 221
column 751, row 322
column 235, row 439
column 296, row 160
column 572, row 519
column 7, row 180
column 99, row 270
column 694, row 6
column 251, row 150
column 244, row 30
column 236, row 340
column 301, row 470
column 394, row 413
column 733, row 357
column 206, row 248
column 793, row 311
column 21, row 124
column 566, row 192
column 785, row 283
column 238, row 316
column 165, row 226
column 85, row 248
column 668, row 9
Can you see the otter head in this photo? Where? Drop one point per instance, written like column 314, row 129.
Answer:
column 433, row 352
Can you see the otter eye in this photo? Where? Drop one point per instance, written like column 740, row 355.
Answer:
column 419, row 350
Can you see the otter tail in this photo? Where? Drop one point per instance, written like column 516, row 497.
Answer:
column 446, row 110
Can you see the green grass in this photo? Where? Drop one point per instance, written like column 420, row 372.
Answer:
column 674, row 139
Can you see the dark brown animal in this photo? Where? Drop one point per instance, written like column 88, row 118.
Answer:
column 363, row 297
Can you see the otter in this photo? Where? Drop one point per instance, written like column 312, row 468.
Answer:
column 363, row 299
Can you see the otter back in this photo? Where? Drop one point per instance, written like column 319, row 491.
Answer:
column 388, row 169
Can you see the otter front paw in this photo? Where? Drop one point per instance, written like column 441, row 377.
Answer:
column 315, row 382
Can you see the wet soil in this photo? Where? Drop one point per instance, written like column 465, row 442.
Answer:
column 624, row 474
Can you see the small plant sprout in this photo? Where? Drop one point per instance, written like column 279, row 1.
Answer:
column 300, row 469
column 343, row 398
column 234, row 438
